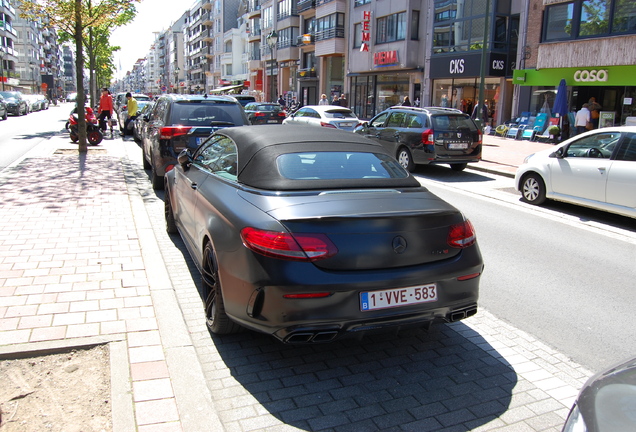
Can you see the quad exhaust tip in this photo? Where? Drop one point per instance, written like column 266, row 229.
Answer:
column 311, row 337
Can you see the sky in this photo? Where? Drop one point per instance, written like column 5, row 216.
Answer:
column 135, row 38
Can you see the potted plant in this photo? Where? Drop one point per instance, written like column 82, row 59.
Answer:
column 554, row 131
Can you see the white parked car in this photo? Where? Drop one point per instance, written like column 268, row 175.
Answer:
column 596, row 169
column 331, row 116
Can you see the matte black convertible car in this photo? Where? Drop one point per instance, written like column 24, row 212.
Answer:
column 309, row 235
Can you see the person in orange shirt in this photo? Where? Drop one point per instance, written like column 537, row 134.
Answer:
column 105, row 108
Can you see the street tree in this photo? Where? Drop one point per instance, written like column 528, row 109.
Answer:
column 76, row 18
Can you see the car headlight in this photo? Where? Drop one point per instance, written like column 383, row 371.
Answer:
column 527, row 158
column 575, row 422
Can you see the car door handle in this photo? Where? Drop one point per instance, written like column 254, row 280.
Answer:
column 193, row 185
column 602, row 169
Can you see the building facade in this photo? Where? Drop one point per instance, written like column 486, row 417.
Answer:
column 590, row 44
column 8, row 51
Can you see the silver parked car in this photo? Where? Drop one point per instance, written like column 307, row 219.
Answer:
column 331, row 116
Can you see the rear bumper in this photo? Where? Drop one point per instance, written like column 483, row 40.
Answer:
column 262, row 306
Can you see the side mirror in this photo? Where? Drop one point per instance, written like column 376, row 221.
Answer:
column 185, row 159
column 559, row 154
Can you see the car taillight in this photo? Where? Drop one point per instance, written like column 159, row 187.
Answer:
column 295, row 247
column 480, row 136
column 282, row 114
column 428, row 137
column 259, row 114
column 329, row 125
column 169, row 132
column 169, row 168
column 461, row 235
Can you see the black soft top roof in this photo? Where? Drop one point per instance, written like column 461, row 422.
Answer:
column 259, row 147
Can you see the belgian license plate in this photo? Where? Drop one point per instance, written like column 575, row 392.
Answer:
column 458, row 146
column 272, row 121
column 346, row 124
column 384, row 299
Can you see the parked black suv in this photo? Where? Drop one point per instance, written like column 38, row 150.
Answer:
column 431, row 135
column 183, row 121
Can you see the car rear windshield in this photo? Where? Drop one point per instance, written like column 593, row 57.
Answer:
column 206, row 113
column 453, row 122
column 338, row 165
column 340, row 114
column 265, row 107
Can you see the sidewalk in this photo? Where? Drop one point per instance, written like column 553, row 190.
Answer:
column 504, row 155
column 80, row 266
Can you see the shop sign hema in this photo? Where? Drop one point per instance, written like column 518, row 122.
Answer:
column 385, row 58
column 366, row 31
column 581, row 76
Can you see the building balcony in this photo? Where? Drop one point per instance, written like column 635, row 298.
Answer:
column 206, row 4
column 305, row 5
column 206, row 19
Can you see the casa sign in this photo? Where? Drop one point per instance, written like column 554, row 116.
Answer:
column 593, row 75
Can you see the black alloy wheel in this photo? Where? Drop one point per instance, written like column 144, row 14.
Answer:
column 533, row 189
column 215, row 317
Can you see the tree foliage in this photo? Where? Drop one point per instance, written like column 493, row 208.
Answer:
column 80, row 20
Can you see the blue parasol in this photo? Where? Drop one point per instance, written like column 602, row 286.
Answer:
column 561, row 101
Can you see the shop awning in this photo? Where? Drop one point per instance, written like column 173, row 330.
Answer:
column 227, row 88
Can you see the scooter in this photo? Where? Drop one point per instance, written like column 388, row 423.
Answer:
column 93, row 132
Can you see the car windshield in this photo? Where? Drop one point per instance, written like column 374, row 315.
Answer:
column 265, row 107
column 340, row 114
column 453, row 122
column 8, row 94
column 338, row 165
column 206, row 113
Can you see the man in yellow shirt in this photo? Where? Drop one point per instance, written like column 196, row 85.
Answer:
column 132, row 108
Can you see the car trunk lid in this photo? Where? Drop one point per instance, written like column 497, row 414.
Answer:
column 371, row 230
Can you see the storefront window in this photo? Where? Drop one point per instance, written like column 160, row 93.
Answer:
column 463, row 94
column 391, row 90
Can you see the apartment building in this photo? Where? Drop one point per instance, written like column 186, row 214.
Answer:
column 8, row 40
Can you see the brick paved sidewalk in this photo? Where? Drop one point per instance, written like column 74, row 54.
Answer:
column 73, row 272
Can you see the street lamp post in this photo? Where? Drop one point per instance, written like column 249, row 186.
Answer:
column 272, row 39
column 2, row 53
column 176, row 79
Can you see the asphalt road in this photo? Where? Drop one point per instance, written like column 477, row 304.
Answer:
column 561, row 273
column 18, row 135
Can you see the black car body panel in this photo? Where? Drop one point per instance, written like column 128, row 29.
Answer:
column 260, row 113
column 16, row 103
column 432, row 135
column 390, row 233
column 178, row 122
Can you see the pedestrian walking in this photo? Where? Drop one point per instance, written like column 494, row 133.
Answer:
column 336, row 100
column 406, row 101
column 343, row 100
column 582, row 120
column 323, row 100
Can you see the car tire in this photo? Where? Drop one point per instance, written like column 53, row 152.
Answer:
column 458, row 166
column 145, row 161
column 533, row 189
column 405, row 159
column 171, row 226
column 157, row 181
column 5, row 116
column 216, row 319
